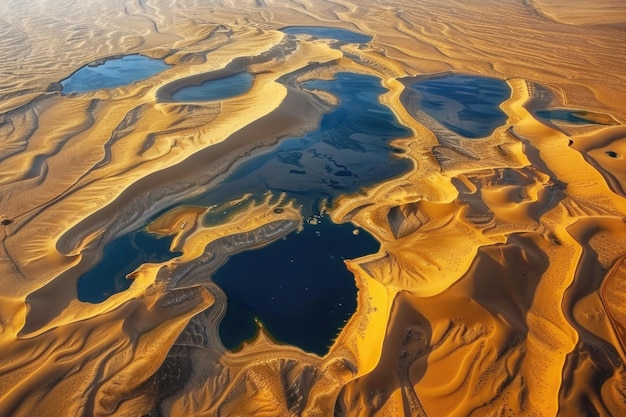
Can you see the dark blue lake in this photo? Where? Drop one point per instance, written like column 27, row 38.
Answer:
column 341, row 35
column 112, row 73
column 348, row 151
column 297, row 287
column 465, row 104
column 217, row 89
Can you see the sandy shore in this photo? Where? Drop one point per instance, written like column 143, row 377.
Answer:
column 498, row 288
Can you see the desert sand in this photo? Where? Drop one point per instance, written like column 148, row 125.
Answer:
column 498, row 289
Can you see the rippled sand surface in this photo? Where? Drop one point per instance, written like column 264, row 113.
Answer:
column 499, row 288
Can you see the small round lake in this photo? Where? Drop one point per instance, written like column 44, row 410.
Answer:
column 467, row 105
column 114, row 72
column 217, row 89
column 298, row 287
column 338, row 34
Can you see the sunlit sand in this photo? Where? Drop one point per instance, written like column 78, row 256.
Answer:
column 498, row 289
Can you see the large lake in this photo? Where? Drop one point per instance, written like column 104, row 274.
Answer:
column 298, row 287
column 311, row 286
column 349, row 150
column 570, row 116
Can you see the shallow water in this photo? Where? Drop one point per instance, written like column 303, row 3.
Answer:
column 341, row 35
column 218, row 89
column 465, row 104
column 112, row 73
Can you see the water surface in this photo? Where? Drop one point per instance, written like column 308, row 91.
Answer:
column 115, row 72
column 468, row 105
column 298, row 287
column 348, row 151
column 341, row 35
column 217, row 89
column 121, row 257
column 313, row 293
column 569, row 116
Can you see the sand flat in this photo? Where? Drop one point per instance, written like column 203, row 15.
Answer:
column 498, row 288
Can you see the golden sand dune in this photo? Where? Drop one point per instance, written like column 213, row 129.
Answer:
column 582, row 13
column 498, row 289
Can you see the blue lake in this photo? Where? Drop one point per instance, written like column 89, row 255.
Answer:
column 348, row 151
column 217, row 89
column 115, row 72
column 341, row 35
column 297, row 287
column 465, row 104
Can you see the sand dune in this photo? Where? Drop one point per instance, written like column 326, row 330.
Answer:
column 582, row 13
column 498, row 286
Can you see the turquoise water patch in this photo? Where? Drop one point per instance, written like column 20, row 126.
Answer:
column 217, row 89
column 467, row 105
column 115, row 72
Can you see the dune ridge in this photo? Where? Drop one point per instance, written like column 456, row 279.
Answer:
column 498, row 288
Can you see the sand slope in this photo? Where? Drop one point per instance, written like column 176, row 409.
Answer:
column 499, row 286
